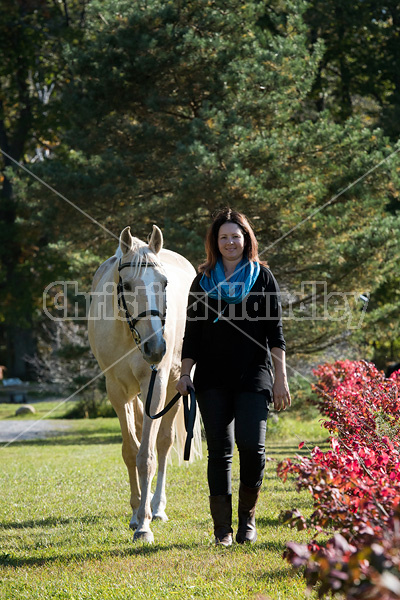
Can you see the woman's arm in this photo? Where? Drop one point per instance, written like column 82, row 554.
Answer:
column 185, row 381
column 192, row 338
column 194, row 317
column 281, row 391
column 274, row 313
column 277, row 345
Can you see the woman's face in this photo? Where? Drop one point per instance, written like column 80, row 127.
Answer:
column 231, row 241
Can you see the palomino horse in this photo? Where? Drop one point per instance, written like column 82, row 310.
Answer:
column 153, row 285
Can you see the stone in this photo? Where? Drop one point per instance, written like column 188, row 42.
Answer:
column 26, row 409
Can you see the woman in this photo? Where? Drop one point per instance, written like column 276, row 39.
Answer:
column 233, row 327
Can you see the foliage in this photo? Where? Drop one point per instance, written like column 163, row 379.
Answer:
column 301, row 394
column 355, row 397
column 66, row 360
column 358, row 71
column 162, row 112
column 382, row 316
column 355, row 485
column 32, row 71
column 93, row 405
column 198, row 105
column 356, row 571
column 357, row 75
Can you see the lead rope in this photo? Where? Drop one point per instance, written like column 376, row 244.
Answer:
column 189, row 410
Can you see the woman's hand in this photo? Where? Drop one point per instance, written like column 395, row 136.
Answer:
column 281, row 394
column 184, row 384
column 280, row 390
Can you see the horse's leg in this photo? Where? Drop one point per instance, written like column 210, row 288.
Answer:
column 146, row 460
column 138, row 406
column 165, row 440
column 130, row 442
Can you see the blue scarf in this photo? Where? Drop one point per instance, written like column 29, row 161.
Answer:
column 239, row 285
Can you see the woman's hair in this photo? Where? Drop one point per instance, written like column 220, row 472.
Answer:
column 228, row 215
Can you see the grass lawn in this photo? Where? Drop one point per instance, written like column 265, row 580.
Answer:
column 64, row 506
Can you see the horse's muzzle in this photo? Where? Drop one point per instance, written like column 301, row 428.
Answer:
column 153, row 351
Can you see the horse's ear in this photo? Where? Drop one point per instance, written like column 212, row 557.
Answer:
column 126, row 240
column 156, row 240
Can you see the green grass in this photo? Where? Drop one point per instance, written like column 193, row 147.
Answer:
column 64, row 507
column 43, row 410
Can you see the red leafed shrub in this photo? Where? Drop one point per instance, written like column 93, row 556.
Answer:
column 396, row 377
column 355, row 485
column 355, row 571
column 351, row 395
column 354, row 492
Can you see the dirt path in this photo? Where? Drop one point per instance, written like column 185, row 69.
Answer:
column 11, row 430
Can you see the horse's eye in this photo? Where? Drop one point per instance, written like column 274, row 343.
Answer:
column 127, row 287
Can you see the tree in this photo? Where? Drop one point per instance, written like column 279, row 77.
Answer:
column 171, row 110
column 31, row 69
column 177, row 109
column 358, row 72
column 358, row 75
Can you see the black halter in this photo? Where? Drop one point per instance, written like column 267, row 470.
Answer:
column 131, row 320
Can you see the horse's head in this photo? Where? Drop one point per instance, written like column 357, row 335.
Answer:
column 142, row 292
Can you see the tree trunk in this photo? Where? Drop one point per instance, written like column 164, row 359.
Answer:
column 21, row 344
column 346, row 107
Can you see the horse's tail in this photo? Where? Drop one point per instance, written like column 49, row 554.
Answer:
column 196, row 449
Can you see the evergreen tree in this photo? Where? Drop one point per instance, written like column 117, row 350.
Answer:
column 180, row 108
column 358, row 72
column 171, row 110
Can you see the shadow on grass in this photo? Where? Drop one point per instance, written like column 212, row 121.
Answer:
column 140, row 549
column 51, row 522
column 73, row 438
column 277, row 574
column 268, row 521
column 272, row 546
column 294, row 448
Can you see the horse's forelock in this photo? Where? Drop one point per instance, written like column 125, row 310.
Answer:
column 148, row 257
column 139, row 257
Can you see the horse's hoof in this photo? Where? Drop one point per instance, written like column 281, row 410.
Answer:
column 160, row 516
column 143, row 536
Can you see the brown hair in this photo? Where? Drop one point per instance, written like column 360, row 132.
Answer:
column 211, row 243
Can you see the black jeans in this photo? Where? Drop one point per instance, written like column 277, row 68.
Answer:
column 229, row 415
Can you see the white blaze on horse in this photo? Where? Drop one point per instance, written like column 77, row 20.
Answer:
column 149, row 285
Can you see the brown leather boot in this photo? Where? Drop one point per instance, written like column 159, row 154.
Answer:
column 248, row 497
column 221, row 512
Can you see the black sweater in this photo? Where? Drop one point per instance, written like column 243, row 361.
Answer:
column 234, row 351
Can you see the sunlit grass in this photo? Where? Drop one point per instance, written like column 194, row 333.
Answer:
column 64, row 514
column 54, row 409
